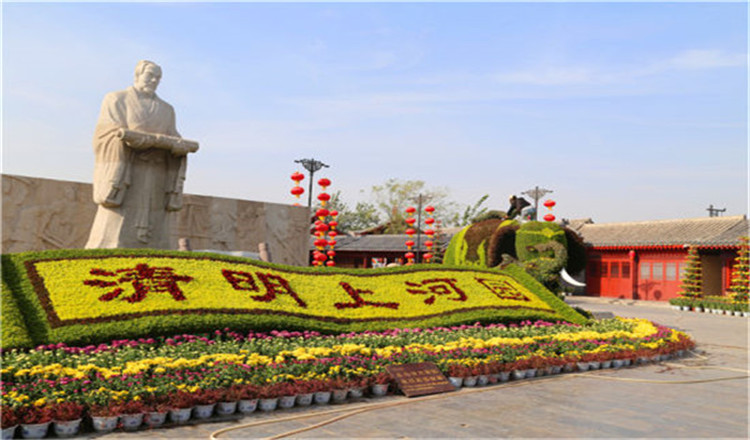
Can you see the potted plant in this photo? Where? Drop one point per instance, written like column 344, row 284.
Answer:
column 9, row 421
column 205, row 402
column 156, row 410
column 35, row 420
column 67, row 418
column 268, row 397
column 227, row 404
column 380, row 383
column 181, row 405
column 456, row 373
column 248, row 398
column 131, row 414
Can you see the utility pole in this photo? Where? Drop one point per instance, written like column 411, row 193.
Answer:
column 536, row 194
column 714, row 212
column 312, row 166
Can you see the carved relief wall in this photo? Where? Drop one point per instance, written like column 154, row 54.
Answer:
column 41, row 214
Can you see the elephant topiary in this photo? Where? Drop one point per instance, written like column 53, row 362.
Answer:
column 543, row 249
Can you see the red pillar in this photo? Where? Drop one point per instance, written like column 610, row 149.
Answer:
column 633, row 274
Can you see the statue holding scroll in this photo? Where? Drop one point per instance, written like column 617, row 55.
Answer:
column 140, row 164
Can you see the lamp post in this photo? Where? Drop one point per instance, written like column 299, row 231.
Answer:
column 311, row 165
column 536, row 194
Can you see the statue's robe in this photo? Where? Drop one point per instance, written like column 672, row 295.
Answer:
column 135, row 188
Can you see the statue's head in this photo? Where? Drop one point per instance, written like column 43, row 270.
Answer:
column 147, row 77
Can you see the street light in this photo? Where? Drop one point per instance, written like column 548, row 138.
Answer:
column 536, row 194
column 312, row 166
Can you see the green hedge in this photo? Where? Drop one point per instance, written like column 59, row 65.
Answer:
column 14, row 332
column 179, row 319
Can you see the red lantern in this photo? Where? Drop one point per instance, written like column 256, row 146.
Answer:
column 330, row 263
column 333, row 223
column 325, row 183
column 429, row 209
column 332, row 243
column 429, row 221
column 428, row 244
column 297, row 191
column 322, row 227
column 409, row 243
column 411, row 210
column 334, row 213
column 549, row 217
column 321, row 257
column 324, row 197
column 297, row 177
column 411, row 221
column 321, row 213
column 427, row 256
column 331, row 253
column 549, row 204
column 320, row 243
column 409, row 255
column 333, row 234
column 429, row 232
column 410, row 231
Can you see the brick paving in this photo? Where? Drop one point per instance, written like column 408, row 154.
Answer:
column 563, row 406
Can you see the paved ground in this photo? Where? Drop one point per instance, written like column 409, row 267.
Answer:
column 599, row 404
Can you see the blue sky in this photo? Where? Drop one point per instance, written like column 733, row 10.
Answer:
column 628, row 111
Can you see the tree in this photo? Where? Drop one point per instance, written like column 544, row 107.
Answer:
column 740, row 284
column 692, row 281
column 472, row 213
column 395, row 195
column 365, row 215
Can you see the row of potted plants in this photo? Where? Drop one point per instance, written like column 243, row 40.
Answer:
column 712, row 304
column 68, row 418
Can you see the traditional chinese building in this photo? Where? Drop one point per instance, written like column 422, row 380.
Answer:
column 646, row 260
column 368, row 251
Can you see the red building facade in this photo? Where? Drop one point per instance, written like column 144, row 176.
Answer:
column 646, row 260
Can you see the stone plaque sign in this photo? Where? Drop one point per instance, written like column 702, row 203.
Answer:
column 420, row 379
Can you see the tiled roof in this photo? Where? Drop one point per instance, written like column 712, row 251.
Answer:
column 706, row 231
column 376, row 243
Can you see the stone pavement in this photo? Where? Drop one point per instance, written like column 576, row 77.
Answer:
column 597, row 404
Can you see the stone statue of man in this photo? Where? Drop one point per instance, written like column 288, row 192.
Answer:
column 140, row 163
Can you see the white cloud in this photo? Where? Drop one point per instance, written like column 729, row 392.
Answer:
column 706, row 59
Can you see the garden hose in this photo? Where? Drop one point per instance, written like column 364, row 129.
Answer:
column 348, row 412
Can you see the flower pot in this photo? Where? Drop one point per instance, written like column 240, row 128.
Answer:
column 456, row 381
column 627, row 362
column 746, row 314
column 617, row 363
column 504, row 376
column 305, row 399
column 569, row 368
column 286, row 402
column 322, row 397
column 339, row 396
column 268, row 404
column 66, row 428
column 246, row 406
column 9, row 432
column 104, row 423
column 677, row 307
column 203, row 411
column 180, row 415
column 470, row 381
column 131, row 422
column 557, row 369
column 546, row 371
column 655, row 358
column 356, row 392
column 583, row 366
column 595, row 365
column 34, row 430
column 154, row 419
column 483, row 380
column 699, row 309
column 531, row 372
column 379, row 389
column 226, row 408
column 518, row 374
column 606, row 364
column 494, row 378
